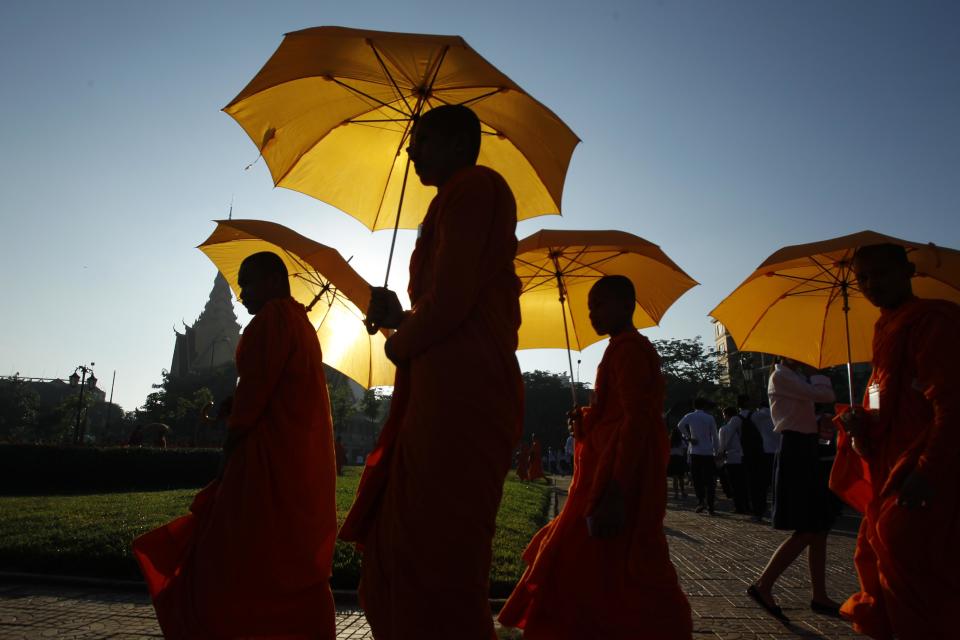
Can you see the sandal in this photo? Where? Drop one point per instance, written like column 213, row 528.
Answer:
column 772, row 609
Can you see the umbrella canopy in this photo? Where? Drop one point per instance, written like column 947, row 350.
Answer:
column 321, row 280
column 794, row 303
column 565, row 263
column 331, row 113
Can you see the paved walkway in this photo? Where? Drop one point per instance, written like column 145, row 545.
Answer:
column 716, row 558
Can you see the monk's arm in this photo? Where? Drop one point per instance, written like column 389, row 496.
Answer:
column 937, row 353
column 463, row 235
column 266, row 348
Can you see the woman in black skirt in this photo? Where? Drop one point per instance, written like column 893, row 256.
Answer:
column 802, row 503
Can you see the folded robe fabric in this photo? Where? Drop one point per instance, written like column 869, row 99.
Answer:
column 426, row 507
column 908, row 560
column 576, row 586
column 254, row 556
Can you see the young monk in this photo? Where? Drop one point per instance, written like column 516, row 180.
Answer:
column 254, row 556
column 523, row 462
column 536, row 461
column 906, row 447
column 427, row 542
column 601, row 569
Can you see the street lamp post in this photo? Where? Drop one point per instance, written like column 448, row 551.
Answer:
column 82, row 380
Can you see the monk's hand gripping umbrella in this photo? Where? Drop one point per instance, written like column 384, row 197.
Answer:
column 332, row 110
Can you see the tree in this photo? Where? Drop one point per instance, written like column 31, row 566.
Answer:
column 691, row 370
column 546, row 403
column 178, row 402
column 19, row 409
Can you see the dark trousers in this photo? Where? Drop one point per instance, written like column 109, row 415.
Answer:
column 737, row 477
column 759, row 474
column 704, row 483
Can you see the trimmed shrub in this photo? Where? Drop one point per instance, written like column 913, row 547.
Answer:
column 39, row 469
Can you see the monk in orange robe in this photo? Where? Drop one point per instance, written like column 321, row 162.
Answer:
column 426, row 542
column 254, row 556
column 536, row 461
column 601, row 569
column 523, row 462
column 899, row 465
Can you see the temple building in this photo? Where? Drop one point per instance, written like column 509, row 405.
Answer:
column 212, row 340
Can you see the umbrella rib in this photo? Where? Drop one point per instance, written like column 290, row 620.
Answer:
column 762, row 315
column 387, row 73
column 483, row 96
column 378, row 101
column 386, row 184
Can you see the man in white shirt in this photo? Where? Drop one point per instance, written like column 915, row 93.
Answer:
column 568, row 452
column 760, row 471
column 730, row 451
column 700, row 430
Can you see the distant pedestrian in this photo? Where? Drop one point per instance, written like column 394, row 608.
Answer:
column 730, row 453
column 536, row 460
column 677, row 466
column 802, row 503
column 523, row 461
column 700, row 430
column 340, row 454
column 760, row 472
column 568, row 451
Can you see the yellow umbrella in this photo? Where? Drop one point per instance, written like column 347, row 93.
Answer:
column 331, row 113
column 321, row 280
column 803, row 301
column 560, row 266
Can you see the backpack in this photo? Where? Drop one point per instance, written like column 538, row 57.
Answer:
column 750, row 439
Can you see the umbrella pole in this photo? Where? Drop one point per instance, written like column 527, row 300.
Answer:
column 396, row 224
column 846, row 326
column 566, row 331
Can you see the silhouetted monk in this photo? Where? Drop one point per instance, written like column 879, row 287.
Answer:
column 536, row 461
column 601, row 569
column 908, row 485
column 427, row 541
column 254, row 556
column 523, row 462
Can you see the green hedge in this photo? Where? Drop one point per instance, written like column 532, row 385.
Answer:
column 34, row 469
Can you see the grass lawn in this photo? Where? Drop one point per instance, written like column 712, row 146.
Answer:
column 90, row 535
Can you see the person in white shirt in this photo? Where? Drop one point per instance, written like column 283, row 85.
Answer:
column 730, row 454
column 677, row 467
column 760, row 467
column 568, row 449
column 802, row 500
column 700, row 430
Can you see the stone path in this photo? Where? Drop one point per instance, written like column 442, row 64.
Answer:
column 716, row 558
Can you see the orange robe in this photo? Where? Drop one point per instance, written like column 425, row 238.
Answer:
column 907, row 560
column 536, row 462
column 426, row 541
column 254, row 557
column 523, row 462
column 622, row 588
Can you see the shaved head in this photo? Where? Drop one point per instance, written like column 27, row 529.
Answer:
column 884, row 274
column 616, row 287
column 263, row 276
column 455, row 122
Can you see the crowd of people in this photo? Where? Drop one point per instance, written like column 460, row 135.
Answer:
column 253, row 557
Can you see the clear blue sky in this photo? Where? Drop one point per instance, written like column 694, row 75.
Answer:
column 719, row 130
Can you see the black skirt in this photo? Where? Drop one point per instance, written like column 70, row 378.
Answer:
column 802, row 500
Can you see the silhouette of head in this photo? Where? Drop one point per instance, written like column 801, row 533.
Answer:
column 443, row 141
column 611, row 301
column 883, row 274
column 263, row 277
